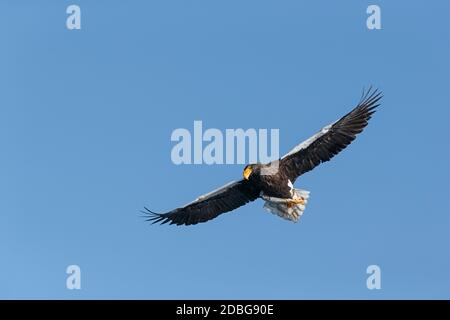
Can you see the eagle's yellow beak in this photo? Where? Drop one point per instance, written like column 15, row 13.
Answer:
column 247, row 172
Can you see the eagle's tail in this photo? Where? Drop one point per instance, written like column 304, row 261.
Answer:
column 281, row 208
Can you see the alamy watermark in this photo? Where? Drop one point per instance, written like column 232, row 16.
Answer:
column 373, row 21
column 73, row 21
column 374, row 279
column 233, row 146
column 73, row 281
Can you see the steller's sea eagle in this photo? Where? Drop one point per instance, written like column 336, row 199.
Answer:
column 273, row 182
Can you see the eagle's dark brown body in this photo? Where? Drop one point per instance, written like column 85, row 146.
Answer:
column 272, row 185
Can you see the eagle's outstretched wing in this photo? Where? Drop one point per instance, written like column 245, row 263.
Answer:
column 210, row 205
column 331, row 139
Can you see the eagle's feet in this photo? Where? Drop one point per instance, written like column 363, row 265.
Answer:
column 295, row 201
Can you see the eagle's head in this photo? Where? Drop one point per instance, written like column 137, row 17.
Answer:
column 251, row 170
column 256, row 170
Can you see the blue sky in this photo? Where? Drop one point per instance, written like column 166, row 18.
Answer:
column 85, row 123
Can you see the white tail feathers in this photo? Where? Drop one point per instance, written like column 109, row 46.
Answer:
column 289, row 209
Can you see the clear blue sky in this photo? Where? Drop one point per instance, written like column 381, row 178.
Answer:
column 85, row 124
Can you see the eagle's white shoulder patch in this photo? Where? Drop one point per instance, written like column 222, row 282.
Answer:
column 305, row 144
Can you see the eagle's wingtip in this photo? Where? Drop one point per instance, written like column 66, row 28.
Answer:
column 151, row 216
column 370, row 93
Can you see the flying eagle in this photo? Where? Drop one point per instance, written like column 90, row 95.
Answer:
column 273, row 182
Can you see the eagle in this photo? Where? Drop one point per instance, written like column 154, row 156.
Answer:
column 273, row 182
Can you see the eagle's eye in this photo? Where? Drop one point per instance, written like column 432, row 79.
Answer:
column 247, row 172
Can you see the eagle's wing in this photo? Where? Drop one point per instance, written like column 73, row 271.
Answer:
column 210, row 205
column 331, row 139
